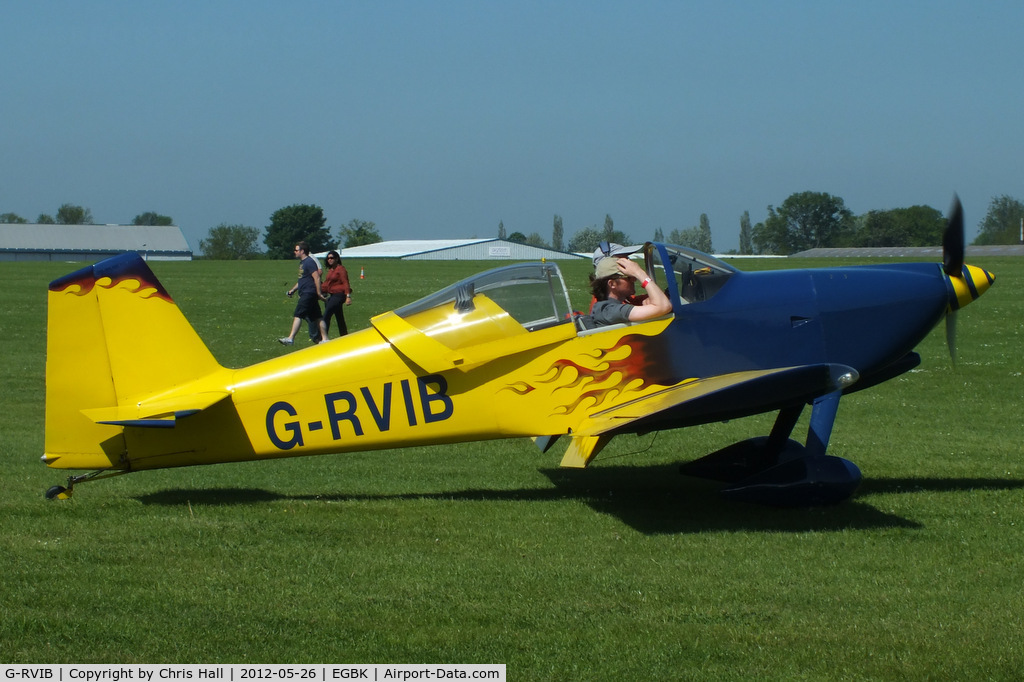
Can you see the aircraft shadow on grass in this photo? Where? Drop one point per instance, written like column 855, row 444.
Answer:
column 653, row 500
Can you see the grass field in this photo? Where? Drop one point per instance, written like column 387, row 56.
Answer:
column 488, row 553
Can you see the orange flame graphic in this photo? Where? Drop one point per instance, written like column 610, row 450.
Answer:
column 606, row 378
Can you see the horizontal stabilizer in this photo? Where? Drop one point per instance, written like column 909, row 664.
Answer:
column 156, row 413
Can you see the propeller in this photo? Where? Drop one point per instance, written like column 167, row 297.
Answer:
column 953, row 240
column 953, row 264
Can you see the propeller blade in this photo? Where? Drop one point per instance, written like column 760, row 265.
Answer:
column 951, row 335
column 953, row 240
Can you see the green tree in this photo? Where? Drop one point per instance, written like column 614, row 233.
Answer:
column 609, row 228
column 517, row 237
column 230, row 242
column 534, row 239
column 806, row 220
column 589, row 238
column 746, row 244
column 501, row 229
column 694, row 238
column 914, row 226
column 585, row 240
column 70, row 214
column 151, row 218
column 293, row 224
column 681, row 237
column 705, row 234
column 659, row 235
column 359, row 232
column 12, row 219
column 45, row 219
column 557, row 235
column 1002, row 223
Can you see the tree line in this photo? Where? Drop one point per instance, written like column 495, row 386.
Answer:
column 305, row 222
column 808, row 220
column 73, row 214
column 288, row 226
column 805, row 220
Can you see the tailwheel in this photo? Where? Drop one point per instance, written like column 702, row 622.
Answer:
column 58, row 492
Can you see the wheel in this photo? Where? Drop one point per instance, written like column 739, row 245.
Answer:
column 57, row 492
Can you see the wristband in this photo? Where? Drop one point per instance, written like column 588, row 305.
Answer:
column 647, row 280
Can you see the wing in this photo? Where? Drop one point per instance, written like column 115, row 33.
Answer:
column 699, row 401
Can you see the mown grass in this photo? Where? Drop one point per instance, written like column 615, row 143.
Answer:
column 489, row 553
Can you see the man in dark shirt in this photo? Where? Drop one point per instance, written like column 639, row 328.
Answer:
column 308, row 286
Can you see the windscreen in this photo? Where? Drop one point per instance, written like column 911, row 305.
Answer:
column 698, row 275
column 533, row 294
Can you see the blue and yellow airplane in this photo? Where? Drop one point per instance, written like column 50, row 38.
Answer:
column 130, row 386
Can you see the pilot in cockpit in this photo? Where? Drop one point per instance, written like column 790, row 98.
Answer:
column 614, row 284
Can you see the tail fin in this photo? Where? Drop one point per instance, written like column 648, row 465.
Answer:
column 114, row 337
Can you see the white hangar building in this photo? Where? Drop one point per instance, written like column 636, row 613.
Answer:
column 30, row 242
column 456, row 249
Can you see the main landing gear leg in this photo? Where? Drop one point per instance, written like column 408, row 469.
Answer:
column 823, row 416
column 739, row 461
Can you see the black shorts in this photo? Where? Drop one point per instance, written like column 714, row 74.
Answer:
column 308, row 308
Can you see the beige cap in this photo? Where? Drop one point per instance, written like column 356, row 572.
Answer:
column 607, row 267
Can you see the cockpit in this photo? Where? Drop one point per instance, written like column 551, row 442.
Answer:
column 532, row 295
column 525, row 305
column 495, row 313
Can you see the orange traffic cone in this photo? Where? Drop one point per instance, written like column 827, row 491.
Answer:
column 362, row 273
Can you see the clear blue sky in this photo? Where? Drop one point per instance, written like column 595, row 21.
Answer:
column 438, row 119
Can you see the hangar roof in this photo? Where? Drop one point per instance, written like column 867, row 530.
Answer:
column 93, row 238
column 400, row 248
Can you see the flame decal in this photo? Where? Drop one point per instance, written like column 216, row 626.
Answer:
column 84, row 285
column 609, row 373
column 110, row 274
column 520, row 388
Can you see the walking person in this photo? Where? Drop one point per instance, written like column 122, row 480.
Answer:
column 339, row 293
column 314, row 325
column 308, row 288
